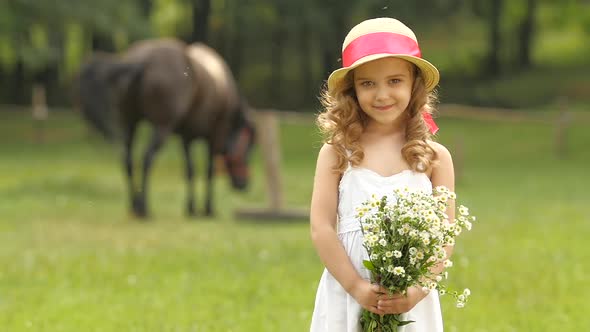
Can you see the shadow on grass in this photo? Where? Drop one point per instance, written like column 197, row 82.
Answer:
column 76, row 188
column 268, row 216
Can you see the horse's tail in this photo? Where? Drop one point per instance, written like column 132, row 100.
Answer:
column 99, row 81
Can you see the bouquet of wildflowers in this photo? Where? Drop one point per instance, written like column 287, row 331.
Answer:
column 405, row 237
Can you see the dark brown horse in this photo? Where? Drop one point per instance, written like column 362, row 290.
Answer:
column 180, row 89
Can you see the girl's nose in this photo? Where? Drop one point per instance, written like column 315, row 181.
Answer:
column 382, row 93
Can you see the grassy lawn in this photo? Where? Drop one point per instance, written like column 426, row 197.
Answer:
column 72, row 259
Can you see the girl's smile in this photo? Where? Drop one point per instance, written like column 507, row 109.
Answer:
column 383, row 108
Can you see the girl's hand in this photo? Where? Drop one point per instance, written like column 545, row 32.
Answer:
column 367, row 295
column 398, row 303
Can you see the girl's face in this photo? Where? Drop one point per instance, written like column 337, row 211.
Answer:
column 383, row 88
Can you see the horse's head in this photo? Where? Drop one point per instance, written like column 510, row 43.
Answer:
column 239, row 147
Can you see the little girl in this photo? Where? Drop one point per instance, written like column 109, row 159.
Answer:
column 378, row 131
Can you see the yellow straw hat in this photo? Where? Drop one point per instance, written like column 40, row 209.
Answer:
column 379, row 38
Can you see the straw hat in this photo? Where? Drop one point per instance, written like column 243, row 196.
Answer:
column 379, row 38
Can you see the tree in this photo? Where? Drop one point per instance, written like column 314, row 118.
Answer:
column 37, row 30
column 201, row 12
column 146, row 7
column 495, row 42
column 526, row 35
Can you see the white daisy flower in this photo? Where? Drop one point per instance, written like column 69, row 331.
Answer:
column 463, row 210
column 399, row 271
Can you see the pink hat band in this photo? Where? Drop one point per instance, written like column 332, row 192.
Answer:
column 379, row 43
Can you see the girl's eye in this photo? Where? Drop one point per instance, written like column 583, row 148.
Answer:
column 366, row 84
column 395, row 80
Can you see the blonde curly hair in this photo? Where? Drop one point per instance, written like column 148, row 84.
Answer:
column 343, row 122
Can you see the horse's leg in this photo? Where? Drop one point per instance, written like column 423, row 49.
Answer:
column 190, row 174
column 129, row 136
column 210, row 169
column 156, row 142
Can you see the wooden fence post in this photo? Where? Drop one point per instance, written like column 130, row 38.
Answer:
column 39, row 111
column 269, row 140
column 561, row 125
column 459, row 158
column 268, row 132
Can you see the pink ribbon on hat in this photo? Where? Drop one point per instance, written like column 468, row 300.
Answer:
column 430, row 122
column 379, row 43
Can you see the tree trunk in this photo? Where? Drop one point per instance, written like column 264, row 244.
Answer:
column 201, row 13
column 236, row 35
column 101, row 42
column 4, row 85
column 227, row 33
column 306, row 56
column 526, row 35
column 493, row 60
column 332, row 44
column 49, row 78
column 146, row 7
column 19, row 85
column 277, row 45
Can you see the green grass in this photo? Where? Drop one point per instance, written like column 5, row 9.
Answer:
column 72, row 259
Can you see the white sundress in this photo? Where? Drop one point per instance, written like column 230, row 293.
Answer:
column 335, row 310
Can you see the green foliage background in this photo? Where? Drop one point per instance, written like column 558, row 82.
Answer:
column 282, row 51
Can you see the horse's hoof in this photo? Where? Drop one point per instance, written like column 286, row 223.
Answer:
column 191, row 211
column 140, row 214
column 143, row 215
column 139, row 209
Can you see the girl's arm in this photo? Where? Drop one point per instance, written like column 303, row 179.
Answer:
column 324, row 207
column 444, row 175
